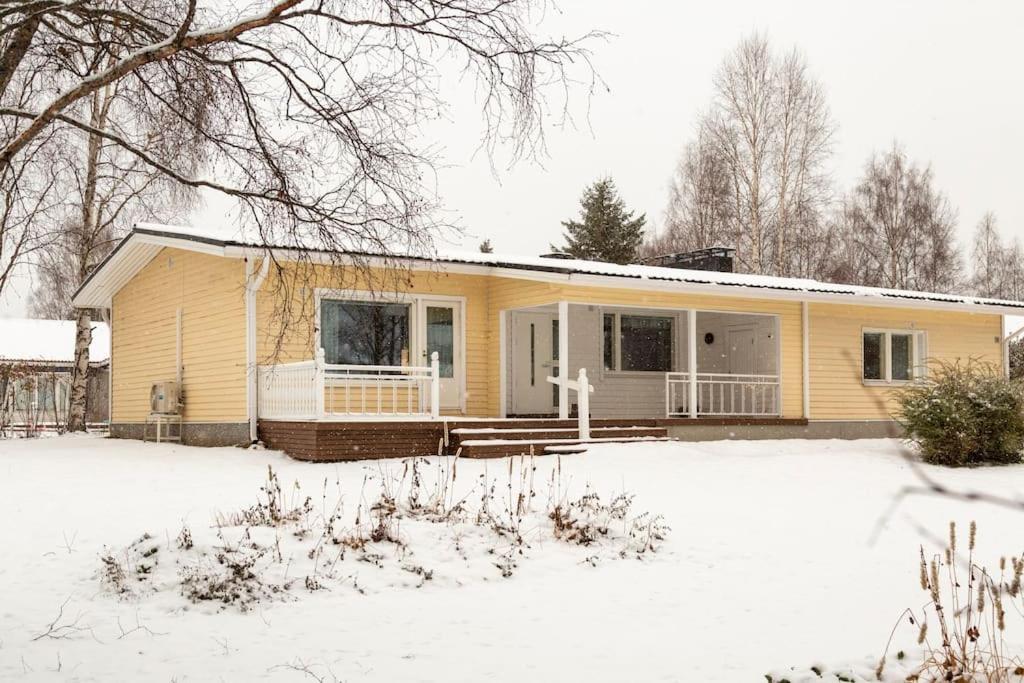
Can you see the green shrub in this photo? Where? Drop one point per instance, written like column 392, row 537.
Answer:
column 964, row 414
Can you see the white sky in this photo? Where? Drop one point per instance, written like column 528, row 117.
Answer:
column 942, row 78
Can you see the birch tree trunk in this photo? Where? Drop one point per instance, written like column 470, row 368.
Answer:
column 83, row 325
column 80, row 372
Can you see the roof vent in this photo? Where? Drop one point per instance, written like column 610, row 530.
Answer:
column 718, row 259
column 558, row 255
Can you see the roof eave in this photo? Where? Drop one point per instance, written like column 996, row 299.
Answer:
column 129, row 256
column 143, row 243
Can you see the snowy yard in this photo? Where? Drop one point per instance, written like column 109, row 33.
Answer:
column 769, row 564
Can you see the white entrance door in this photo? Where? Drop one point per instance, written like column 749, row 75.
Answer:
column 742, row 351
column 441, row 330
column 534, row 357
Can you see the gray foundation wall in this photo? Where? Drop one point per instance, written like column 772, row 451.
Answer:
column 846, row 429
column 192, row 433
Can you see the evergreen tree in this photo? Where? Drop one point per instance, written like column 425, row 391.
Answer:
column 485, row 247
column 606, row 231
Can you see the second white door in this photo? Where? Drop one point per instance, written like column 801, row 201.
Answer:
column 534, row 358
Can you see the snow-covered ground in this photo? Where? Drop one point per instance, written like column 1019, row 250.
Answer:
column 771, row 562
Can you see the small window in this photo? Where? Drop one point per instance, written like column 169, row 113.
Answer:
column 364, row 333
column 638, row 343
column 24, row 394
column 874, row 366
column 902, row 356
column 609, row 341
column 893, row 355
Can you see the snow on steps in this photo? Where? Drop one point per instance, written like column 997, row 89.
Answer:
column 513, row 437
column 497, row 448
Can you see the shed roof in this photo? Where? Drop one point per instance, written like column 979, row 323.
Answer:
column 32, row 340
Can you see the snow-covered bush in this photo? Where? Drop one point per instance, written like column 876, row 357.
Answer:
column 127, row 574
column 233, row 575
column 964, row 414
column 409, row 526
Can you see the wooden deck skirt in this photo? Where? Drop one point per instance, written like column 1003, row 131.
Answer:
column 332, row 441
column 327, row 441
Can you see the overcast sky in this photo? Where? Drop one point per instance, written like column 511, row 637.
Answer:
column 944, row 79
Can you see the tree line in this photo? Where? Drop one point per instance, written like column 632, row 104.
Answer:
column 756, row 177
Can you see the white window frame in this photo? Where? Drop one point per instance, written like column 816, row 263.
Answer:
column 617, row 336
column 919, row 355
column 416, row 303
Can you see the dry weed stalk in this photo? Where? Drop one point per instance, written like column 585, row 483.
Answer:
column 967, row 604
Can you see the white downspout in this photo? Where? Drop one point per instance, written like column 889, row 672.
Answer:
column 253, row 282
column 805, row 320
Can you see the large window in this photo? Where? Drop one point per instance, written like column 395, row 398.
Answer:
column 893, row 355
column 365, row 333
column 638, row 343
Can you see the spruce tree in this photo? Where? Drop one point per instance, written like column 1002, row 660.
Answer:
column 606, row 231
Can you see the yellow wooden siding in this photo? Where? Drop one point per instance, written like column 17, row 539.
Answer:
column 209, row 291
column 508, row 293
column 289, row 295
column 837, row 388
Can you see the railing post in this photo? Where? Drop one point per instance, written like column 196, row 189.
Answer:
column 668, row 395
column 435, row 386
column 318, row 383
column 583, row 405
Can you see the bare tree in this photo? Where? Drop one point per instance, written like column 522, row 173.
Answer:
column 741, row 126
column 697, row 215
column 987, row 253
column 756, row 175
column 902, row 226
column 106, row 187
column 800, row 183
column 1013, row 271
column 29, row 202
column 304, row 111
column 307, row 108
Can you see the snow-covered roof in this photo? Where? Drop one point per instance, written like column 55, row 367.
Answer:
column 30, row 340
column 224, row 243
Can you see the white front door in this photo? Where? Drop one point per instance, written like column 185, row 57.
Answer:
column 441, row 330
column 534, row 357
column 742, row 351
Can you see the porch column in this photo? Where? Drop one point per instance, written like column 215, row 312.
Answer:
column 563, row 359
column 691, row 360
column 502, row 363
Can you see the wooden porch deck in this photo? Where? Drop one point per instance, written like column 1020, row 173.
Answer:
column 337, row 440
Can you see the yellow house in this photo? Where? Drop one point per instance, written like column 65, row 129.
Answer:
column 336, row 356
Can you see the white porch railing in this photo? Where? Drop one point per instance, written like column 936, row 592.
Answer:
column 721, row 394
column 314, row 389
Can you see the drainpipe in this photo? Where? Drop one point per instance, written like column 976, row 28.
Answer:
column 253, row 282
column 805, row 331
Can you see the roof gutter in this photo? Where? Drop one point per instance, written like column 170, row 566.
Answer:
column 544, row 273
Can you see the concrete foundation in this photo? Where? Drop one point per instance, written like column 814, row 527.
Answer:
column 192, row 433
column 845, row 429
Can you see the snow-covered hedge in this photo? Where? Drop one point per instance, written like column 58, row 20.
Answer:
column 964, row 414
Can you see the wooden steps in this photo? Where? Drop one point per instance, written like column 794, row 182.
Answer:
column 500, row 438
